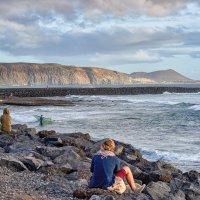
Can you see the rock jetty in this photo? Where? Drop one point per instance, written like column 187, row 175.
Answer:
column 63, row 91
column 46, row 165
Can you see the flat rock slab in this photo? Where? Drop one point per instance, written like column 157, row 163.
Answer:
column 87, row 193
column 33, row 101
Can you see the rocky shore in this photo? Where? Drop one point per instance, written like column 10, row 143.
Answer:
column 33, row 101
column 63, row 91
column 46, row 165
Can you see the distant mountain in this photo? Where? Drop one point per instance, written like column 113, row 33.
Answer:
column 20, row 74
column 163, row 76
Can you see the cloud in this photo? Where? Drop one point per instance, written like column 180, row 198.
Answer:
column 115, row 31
column 92, row 8
column 143, row 56
column 40, row 41
column 140, row 56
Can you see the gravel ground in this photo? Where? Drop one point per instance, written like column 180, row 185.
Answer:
column 27, row 185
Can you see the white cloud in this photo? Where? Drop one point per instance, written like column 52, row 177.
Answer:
column 103, row 32
column 92, row 8
column 144, row 56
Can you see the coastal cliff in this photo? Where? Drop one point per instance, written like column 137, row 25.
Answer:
column 24, row 74
column 55, row 74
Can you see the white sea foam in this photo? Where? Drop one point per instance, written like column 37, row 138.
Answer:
column 21, row 118
column 195, row 107
column 171, row 156
column 166, row 98
column 155, row 99
column 175, row 93
column 167, row 92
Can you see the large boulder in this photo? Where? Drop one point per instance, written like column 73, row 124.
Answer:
column 51, row 152
column 54, row 152
column 53, row 140
column 84, row 136
column 158, row 190
column 6, row 139
column 157, row 171
column 191, row 190
column 192, row 176
column 79, row 140
column 30, row 132
column 65, row 168
column 12, row 164
column 159, row 175
column 87, row 193
column 68, row 155
column 23, row 144
column 45, row 133
column 19, row 127
column 158, row 165
column 99, row 194
column 34, row 163
column 76, row 164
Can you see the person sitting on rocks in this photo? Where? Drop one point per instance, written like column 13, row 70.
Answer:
column 106, row 171
column 6, row 121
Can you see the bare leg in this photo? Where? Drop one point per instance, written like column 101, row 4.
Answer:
column 129, row 177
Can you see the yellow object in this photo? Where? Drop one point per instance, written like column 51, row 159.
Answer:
column 6, row 121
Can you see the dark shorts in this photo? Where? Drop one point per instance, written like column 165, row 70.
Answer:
column 121, row 173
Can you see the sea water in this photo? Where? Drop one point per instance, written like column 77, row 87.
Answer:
column 164, row 126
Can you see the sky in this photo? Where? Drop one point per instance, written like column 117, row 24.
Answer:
column 126, row 36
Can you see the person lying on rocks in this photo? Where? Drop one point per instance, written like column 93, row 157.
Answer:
column 6, row 121
column 106, row 172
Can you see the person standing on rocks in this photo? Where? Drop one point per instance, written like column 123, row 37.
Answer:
column 41, row 120
column 6, row 121
column 106, row 171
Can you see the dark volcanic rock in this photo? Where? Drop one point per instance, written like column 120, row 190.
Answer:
column 47, row 92
column 192, row 176
column 55, row 141
column 99, row 194
column 191, row 190
column 45, row 133
column 87, row 193
column 79, row 140
column 19, row 127
column 51, row 152
column 58, row 166
column 12, row 163
column 158, row 190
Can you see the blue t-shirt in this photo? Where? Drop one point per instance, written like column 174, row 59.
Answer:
column 103, row 169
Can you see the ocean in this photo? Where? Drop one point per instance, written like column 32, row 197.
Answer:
column 163, row 126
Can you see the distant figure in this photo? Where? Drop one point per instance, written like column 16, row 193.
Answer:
column 6, row 121
column 11, row 95
column 41, row 120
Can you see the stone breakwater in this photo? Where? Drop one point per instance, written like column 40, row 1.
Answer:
column 44, row 92
column 46, row 165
